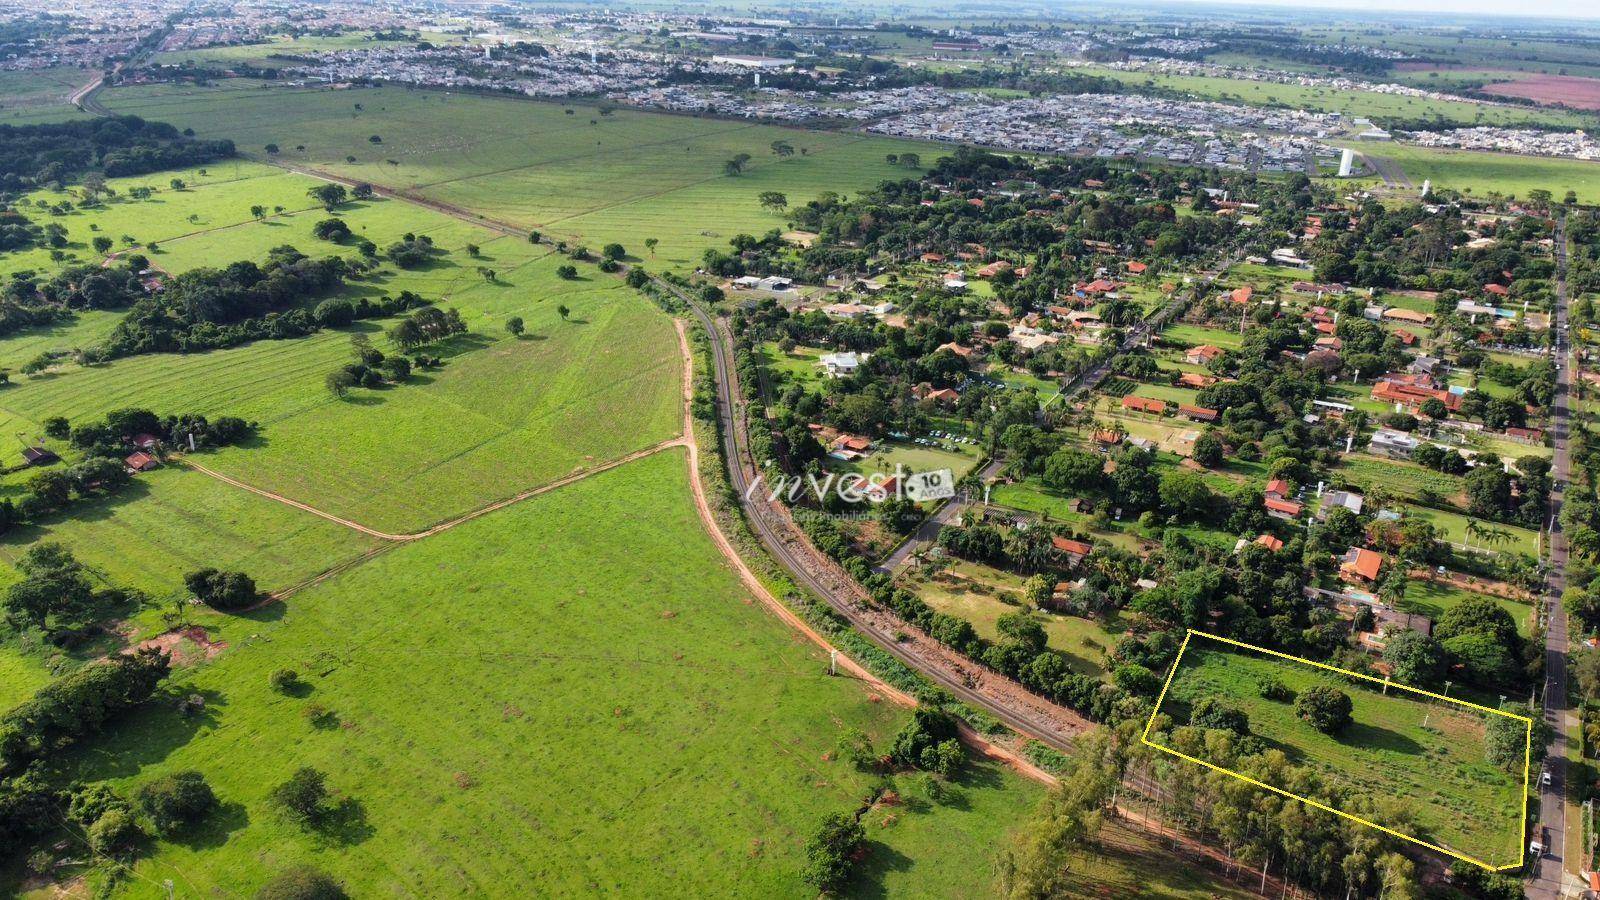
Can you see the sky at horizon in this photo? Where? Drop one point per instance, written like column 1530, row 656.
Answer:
column 1587, row 10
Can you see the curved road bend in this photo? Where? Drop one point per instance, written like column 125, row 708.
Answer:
column 1549, row 872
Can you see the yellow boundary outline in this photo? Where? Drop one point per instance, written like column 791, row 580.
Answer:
column 1527, row 753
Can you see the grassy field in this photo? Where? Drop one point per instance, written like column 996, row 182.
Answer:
column 1483, row 173
column 981, row 595
column 501, row 415
column 39, row 94
column 1439, row 772
column 1453, row 527
column 1196, row 335
column 1432, row 600
column 517, row 700
column 271, row 53
column 1370, row 104
column 1407, row 479
column 587, row 176
column 173, row 521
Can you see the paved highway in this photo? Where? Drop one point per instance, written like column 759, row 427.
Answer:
column 1548, row 871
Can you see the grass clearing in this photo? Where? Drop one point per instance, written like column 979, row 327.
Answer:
column 1439, row 774
column 515, row 697
column 587, row 176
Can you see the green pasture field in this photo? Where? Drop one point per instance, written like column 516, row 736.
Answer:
column 587, row 177
column 1370, row 104
column 1483, row 173
column 1440, row 774
column 173, row 521
column 516, row 702
column 217, row 200
column 1408, row 479
column 981, row 595
column 20, row 675
column 38, row 91
column 1433, row 600
column 502, row 415
column 1196, row 335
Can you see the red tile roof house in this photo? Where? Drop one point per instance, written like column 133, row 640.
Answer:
column 1242, row 295
column 1196, row 380
column 1287, row 510
column 1277, row 489
column 1144, row 404
column 1137, row 268
column 1201, row 355
column 1361, row 564
column 1269, row 542
column 1499, row 290
column 1197, row 413
column 141, row 461
column 1074, row 551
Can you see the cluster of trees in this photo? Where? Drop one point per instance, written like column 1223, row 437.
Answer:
column 372, row 368
column 222, row 590
column 412, row 251
column 77, row 705
column 426, row 326
column 32, row 155
column 207, row 309
column 57, row 597
column 111, row 436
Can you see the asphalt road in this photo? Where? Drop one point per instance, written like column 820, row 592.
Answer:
column 1548, row 870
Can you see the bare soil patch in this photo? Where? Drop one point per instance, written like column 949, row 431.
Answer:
column 1567, row 90
column 185, row 645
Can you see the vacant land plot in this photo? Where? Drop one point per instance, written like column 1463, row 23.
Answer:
column 173, row 521
column 981, row 595
column 1197, row 335
column 1372, row 104
column 1433, row 599
column 502, row 415
column 517, row 700
column 1455, row 797
column 1407, row 479
column 1483, row 173
column 566, row 169
column 1578, row 93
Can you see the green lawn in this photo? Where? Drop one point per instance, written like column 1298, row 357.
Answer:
column 1196, row 335
column 1433, row 600
column 588, row 177
column 517, row 699
column 1453, row 527
column 1439, row 773
column 173, row 521
column 1483, row 173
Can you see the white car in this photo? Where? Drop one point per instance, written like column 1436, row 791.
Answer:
column 1544, row 779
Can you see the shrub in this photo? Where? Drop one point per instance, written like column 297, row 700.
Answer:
column 115, row 834
column 831, row 852
column 1273, row 689
column 1213, row 713
column 176, row 801
column 302, row 883
column 304, row 797
column 285, row 681
column 222, row 590
column 1327, row 709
